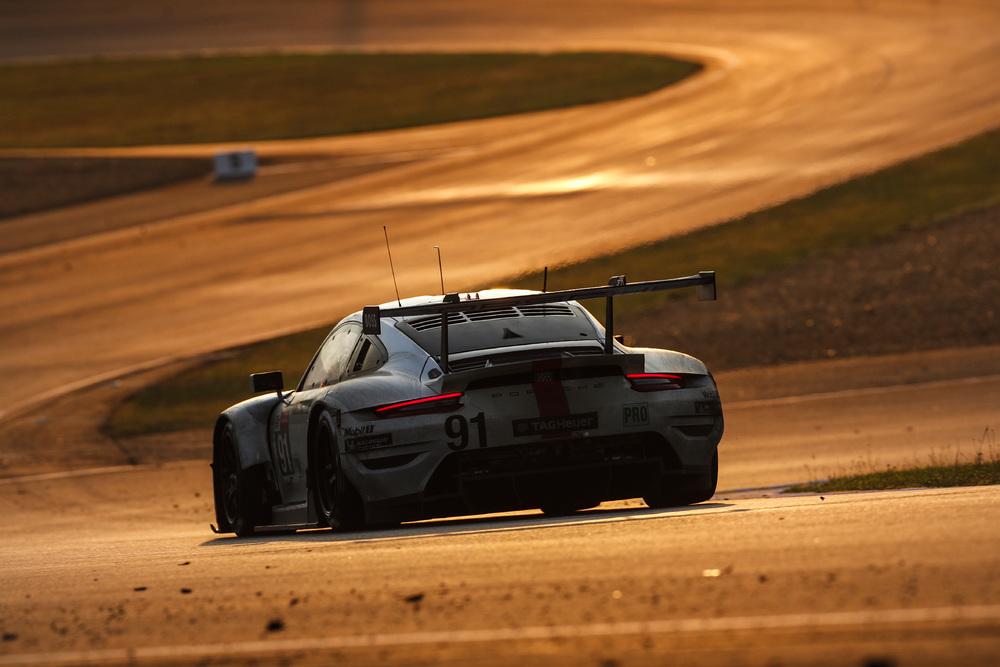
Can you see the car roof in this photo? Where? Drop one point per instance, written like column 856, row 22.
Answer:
column 495, row 293
column 425, row 299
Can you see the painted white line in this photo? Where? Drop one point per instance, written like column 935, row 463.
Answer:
column 982, row 614
column 866, row 391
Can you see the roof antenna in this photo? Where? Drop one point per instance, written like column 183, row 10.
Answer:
column 440, row 269
column 545, row 280
column 393, row 270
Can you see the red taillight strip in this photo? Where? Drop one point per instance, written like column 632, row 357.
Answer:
column 653, row 376
column 417, row 401
column 655, row 381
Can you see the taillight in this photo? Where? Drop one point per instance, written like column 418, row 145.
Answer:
column 439, row 403
column 655, row 381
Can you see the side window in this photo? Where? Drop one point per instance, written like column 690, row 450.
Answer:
column 333, row 357
column 370, row 356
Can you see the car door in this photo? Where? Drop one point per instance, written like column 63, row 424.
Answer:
column 291, row 428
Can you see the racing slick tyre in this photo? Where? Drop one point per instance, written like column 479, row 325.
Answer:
column 686, row 490
column 338, row 504
column 238, row 488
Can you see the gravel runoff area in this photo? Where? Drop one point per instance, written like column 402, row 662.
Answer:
column 922, row 289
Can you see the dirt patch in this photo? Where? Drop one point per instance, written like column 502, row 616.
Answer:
column 29, row 184
column 936, row 287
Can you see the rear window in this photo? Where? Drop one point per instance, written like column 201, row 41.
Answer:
column 505, row 327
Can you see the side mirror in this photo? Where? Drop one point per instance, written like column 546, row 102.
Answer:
column 620, row 338
column 270, row 381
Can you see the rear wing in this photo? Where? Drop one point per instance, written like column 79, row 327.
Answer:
column 371, row 317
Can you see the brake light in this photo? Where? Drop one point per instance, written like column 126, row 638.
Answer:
column 655, row 381
column 439, row 403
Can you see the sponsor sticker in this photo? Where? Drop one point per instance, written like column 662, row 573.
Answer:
column 367, row 442
column 635, row 414
column 549, row 425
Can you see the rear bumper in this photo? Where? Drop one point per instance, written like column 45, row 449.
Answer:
column 613, row 443
column 526, row 476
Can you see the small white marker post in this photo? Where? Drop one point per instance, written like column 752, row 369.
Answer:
column 235, row 165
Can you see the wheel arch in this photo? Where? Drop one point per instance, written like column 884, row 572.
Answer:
column 251, row 420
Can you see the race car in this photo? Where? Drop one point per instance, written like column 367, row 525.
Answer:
column 473, row 403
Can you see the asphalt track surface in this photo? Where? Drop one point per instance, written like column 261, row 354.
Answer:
column 119, row 566
column 910, row 576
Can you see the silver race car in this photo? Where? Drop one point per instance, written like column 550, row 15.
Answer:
column 470, row 403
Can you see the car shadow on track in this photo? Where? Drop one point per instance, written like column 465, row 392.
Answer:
column 475, row 525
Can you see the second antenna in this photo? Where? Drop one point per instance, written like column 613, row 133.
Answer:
column 440, row 267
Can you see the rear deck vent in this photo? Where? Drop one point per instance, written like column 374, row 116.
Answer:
column 468, row 364
column 497, row 314
column 434, row 321
column 462, row 317
column 546, row 310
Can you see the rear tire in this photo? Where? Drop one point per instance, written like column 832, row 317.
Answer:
column 237, row 495
column 338, row 504
column 687, row 490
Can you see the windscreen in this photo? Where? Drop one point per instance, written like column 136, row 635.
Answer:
column 505, row 327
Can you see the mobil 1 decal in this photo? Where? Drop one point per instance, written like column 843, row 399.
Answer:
column 635, row 414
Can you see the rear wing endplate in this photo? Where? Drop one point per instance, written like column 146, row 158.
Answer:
column 704, row 281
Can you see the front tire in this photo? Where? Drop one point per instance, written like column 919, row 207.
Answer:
column 687, row 490
column 236, row 495
column 338, row 505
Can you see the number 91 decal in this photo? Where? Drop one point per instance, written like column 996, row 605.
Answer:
column 456, row 427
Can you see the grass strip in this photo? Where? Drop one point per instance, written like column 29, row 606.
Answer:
column 959, row 474
column 102, row 102
column 860, row 211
